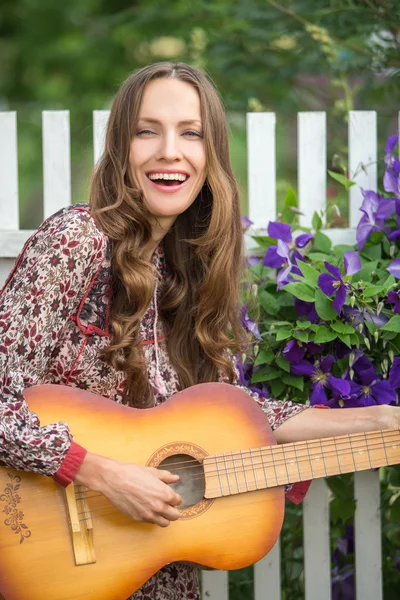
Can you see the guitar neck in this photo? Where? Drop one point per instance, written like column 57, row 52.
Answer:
column 260, row 468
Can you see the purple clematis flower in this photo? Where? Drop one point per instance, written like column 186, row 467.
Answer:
column 355, row 316
column 373, row 389
column 321, row 378
column 306, row 309
column 285, row 254
column 334, row 284
column 391, row 179
column 394, row 268
column 245, row 372
column 294, row 351
column 246, row 223
column 394, row 375
column 394, row 298
column 248, row 324
column 371, row 220
column 280, row 256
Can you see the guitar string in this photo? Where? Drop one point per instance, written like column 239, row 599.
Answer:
column 277, row 449
column 87, row 495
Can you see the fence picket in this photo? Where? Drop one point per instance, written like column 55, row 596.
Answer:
column 267, row 575
column 261, row 168
column 317, row 559
column 9, row 213
column 56, row 161
column 100, row 120
column 214, row 585
column 362, row 131
column 311, row 165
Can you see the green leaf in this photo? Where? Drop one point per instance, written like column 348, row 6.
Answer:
column 265, row 357
column 340, row 249
column 288, row 215
column 268, row 302
column 302, row 291
column 366, row 271
column 324, row 306
column 283, row 363
column 322, row 242
column 277, row 387
column 393, row 324
column 265, row 374
column 293, row 381
column 320, row 257
column 343, row 328
column 303, row 324
column 341, row 179
column 316, row 221
column 373, row 290
column 263, row 241
column 324, row 335
column 303, row 336
column 309, row 273
column 372, row 252
column 345, row 339
column 283, row 334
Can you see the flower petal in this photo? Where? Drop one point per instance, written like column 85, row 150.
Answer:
column 293, row 352
column 352, row 263
column 391, row 182
column 326, row 363
column 325, row 282
column 280, row 231
column 272, row 258
column 303, row 239
column 394, row 268
column 335, row 271
column 342, row 386
column 383, row 392
column 246, row 223
column 394, row 375
column 303, row 367
column 318, row 395
column 339, row 299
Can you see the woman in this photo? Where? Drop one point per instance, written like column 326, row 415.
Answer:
column 136, row 297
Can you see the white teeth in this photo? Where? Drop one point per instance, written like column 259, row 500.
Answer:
column 168, row 176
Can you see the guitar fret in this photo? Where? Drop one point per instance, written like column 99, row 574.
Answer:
column 219, row 476
column 254, row 469
column 384, row 447
column 264, row 469
column 338, row 457
column 244, row 471
column 236, row 473
column 367, row 447
column 310, row 459
column 227, row 473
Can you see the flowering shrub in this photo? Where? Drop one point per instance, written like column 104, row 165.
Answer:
column 330, row 327
column 326, row 330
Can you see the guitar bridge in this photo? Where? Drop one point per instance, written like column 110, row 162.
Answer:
column 80, row 524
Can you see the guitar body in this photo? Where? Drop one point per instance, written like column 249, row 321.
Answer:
column 36, row 550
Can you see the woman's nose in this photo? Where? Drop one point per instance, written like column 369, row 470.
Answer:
column 170, row 147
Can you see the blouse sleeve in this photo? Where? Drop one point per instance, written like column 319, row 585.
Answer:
column 42, row 292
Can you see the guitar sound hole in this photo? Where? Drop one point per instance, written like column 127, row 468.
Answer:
column 191, row 482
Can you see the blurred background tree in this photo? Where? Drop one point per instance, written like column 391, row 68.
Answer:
column 333, row 55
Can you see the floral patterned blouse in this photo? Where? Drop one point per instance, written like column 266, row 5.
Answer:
column 54, row 312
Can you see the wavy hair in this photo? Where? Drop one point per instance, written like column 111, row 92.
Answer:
column 199, row 304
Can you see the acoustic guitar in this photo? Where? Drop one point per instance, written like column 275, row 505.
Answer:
column 58, row 544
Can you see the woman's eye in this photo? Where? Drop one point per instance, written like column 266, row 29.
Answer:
column 144, row 132
column 193, row 134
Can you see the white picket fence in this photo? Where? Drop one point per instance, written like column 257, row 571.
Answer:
column 311, row 144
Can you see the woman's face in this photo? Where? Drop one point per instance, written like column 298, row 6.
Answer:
column 167, row 154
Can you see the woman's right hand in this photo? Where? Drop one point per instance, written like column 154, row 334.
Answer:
column 142, row 493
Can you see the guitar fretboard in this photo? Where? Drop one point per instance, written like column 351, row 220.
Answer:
column 271, row 466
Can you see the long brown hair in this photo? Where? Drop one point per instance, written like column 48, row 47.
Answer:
column 200, row 300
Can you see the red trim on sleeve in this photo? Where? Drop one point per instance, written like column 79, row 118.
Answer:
column 72, row 462
column 298, row 491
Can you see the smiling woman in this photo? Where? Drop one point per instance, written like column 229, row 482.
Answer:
column 135, row 298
